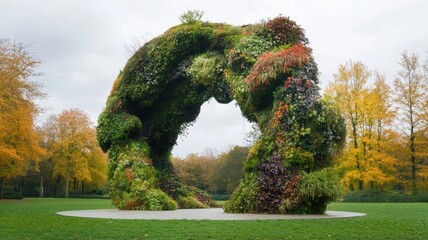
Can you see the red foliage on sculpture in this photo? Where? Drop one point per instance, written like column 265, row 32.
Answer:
column 272, row 64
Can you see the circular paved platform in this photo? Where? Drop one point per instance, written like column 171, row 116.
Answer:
column 197, row 214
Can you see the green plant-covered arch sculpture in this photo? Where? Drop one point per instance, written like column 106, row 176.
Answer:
column 268, row 69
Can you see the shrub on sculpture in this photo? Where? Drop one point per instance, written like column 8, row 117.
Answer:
column 269, row 70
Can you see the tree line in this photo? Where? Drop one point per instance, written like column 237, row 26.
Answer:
column 213, row 172
column 387, row 145
column 53, row 158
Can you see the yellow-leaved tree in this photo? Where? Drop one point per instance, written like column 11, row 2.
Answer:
column 411, row 96
column 19, row 142
column 75, row 151
column 348, row 90
column 376, row 136
column 367, row 110
column 45, row 166
column 423, row 143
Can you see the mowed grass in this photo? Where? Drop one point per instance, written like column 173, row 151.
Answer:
column 37, row 219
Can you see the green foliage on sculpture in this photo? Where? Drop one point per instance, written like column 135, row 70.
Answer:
column 291, row 159
column 269, row 70
column 133, row 183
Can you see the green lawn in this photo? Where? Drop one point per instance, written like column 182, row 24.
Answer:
column 36, row 219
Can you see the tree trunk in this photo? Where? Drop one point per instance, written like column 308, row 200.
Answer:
column 75, row 187
column 413, row 160
column 412, row 150
column 21, row 186
column 83, row 187
column 58, row 186
column 41, row 191
column 379, row 134
column 67, row 184
column 1, row 187
column 354, row 133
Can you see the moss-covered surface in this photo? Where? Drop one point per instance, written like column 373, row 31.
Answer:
column 268, row 69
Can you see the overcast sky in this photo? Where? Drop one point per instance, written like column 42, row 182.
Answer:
column 82, row 45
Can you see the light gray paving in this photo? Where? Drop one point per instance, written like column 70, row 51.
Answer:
column 197, row 214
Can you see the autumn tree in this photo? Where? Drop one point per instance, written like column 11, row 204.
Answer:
column 410, row 88
column 216, row 173
column 384, row 114
column 366, row 101
column 45, row 167
column 347, row 90
column 75, row 150
column 378, row 164
column 19, row 143
column 423, row 173
column 228, row 172
column 195, row 169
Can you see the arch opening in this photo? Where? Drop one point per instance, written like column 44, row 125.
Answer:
column 217, row 127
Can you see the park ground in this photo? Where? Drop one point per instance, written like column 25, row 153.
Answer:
column 35, row 218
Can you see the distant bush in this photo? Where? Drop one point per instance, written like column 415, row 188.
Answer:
column 220, row 197
column 102, row 191
column 11, row 194
column 190, row 202
column 97, row 196
column 382, row 196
